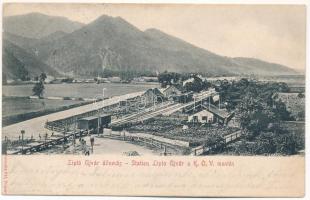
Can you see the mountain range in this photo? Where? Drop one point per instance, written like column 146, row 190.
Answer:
column 57, row 46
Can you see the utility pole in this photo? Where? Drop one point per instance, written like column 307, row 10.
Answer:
column 99, row 110
column 64, row 133
column 22, row 132
column 153, row 100
column 209, row 102
column 45, row 138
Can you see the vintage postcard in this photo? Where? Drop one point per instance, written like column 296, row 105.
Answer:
column 185, row 100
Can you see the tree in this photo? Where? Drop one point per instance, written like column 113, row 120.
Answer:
column 196, row 85
column 168, row 78
column 23, row 74
column 38, row 88
column 4, row 79
column 206, row 84
column 301, row 95
column 42, row 77
column 255, row 115
column 279, row 108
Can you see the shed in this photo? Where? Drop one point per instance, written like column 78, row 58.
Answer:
column 105, row 120
column 183, row 98
column 88, row 123
column 152, row 95
column 203, row 116
column 221, row 116
column 172, row 90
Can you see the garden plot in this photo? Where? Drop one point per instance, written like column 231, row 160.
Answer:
column 178, row 130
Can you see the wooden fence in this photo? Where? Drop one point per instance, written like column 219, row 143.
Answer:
column 149, row 141
column 146, row 136
column 205, row 149
column 42, row 146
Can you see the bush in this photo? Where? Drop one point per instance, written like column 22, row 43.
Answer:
column 269, row 143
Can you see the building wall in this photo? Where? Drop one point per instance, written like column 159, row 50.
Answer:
column 171, row 91
column 82, row 124
column 88, row 124
column 202, row 117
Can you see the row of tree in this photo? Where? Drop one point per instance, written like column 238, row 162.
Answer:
column 260, row 116
column 193, row 83
column 38, row 88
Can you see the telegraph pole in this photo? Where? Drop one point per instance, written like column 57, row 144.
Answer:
column 209, row 102
column 45, row 138
column 22, row 132
column 99, row 110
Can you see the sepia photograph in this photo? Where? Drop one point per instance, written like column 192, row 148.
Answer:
column 165, row 80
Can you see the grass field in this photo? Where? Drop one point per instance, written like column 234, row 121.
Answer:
column 83, row 90
column 21, row 105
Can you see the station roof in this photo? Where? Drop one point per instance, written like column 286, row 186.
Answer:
column 94, row 117
column 221, row 113
column 89, row 118
column 105, row 115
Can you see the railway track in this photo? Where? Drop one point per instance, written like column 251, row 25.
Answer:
column 166, row 109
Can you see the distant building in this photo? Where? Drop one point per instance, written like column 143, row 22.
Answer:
column 102, row 80
column 62, row 80
column 146, row 79
column 58, row 80
column 188, row 81
column 216, row 80
column 216, row 98
column 8, row 81
column 138, row 79
column 114, row 79
column 152, row 95
column 183, row 98
column 299, row 89
column 172, row 90
column 77, row 81
column 89, row 81
column 150, row 78
column 49, row 79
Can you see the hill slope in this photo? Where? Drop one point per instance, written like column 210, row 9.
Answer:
column 113, row 43
column 19, row 64
column 37, row 25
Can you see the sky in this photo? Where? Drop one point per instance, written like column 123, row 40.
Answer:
column 274, row 33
